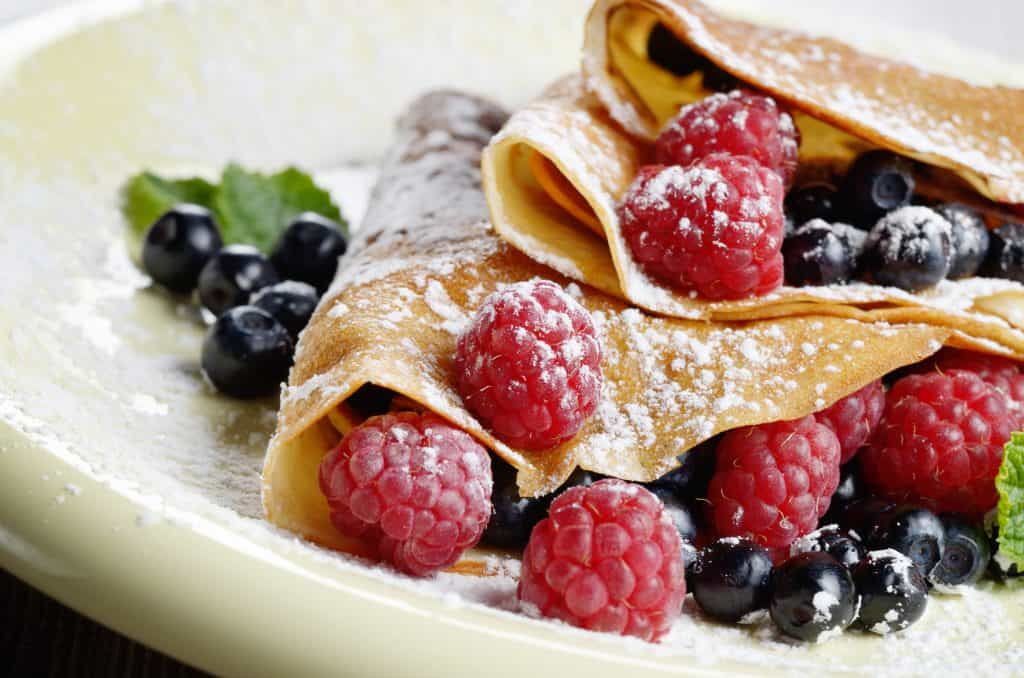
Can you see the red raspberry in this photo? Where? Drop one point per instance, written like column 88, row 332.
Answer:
column 854, row 418
column 715, row 227
column 529, row 365
column 739, row 123
column 607, row 558
column 773, row 482
column 413, row 486
column 1004, row 374
column 939, row 443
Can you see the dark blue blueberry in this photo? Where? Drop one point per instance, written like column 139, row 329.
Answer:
column 231, row 277
column 812, row 201
column 969, row 239
column 843, row 546
column 679, row 512
column 309, row 250
column 850, row 489
column 690, row 480
column 812, row 594
column 877, row 182
column 865, row 517
column 178, row 245
column 1006, row 253
column 291, row 302
column 913, row 531
column 729, row 579
column 893, row 592
column 247, row 353
column 965, row 556
column 820, row 253
column 514, row 516
column 909, row 248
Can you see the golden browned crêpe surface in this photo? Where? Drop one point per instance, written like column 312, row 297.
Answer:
column 593, row 160
column 425, row 260
column 973, row 130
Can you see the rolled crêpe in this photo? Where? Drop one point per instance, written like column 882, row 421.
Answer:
column 555, row 173
column 424, row 260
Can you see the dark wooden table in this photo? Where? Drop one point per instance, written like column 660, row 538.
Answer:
column 41, row 637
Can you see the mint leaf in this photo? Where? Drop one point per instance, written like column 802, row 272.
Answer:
column 254, row 208
column 251, row 208
column 1010, row 483
column 145, row 197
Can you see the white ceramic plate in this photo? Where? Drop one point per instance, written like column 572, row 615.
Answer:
column 130, row 490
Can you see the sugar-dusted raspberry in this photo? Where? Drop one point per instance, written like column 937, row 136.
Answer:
column 738, row 123
column 774, row 481
column 529, row 365
column 854, row 418
column 939, row 443
column 411, row 485
column 1003, row 373
column 607, row 558
column 715, row 227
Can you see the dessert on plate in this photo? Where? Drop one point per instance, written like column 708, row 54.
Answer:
column 734, row 311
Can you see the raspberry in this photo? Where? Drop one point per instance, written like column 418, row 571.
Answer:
column 939, row 443
column 411, row 485
column 529, row 365
column 773, row 482
column 1004, row 374
column 738, row 123
column 607, row 558
column 854, row 418
column 715, row 228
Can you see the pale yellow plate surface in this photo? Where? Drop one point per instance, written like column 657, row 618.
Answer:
column 130, row 490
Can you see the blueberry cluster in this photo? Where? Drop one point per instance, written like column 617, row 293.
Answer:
column 260, row 304
column 873, row 569
column 867, row 228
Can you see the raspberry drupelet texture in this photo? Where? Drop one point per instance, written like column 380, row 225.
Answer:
column 939, row 443
column 854, row 418
column 773, row 482
column 738, row 123
column 529, row 365
column 715, row 228
column 607, row 558
column 1006, row 375
column 412, row 486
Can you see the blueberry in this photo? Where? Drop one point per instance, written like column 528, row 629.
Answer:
column 291, row 302
column 850, row 489
column 969, row 239
column 876, row 183
column 514, row 516
column 842, row 546
column 812, row 201
column 370, row 400
column 913, row 531
column 1006, row 253
column 672, row 54
column 679, row 512
column 909, row 248
column 309, row 250
column 812, row 595
column 232, row 275
column 819, row 253
column 865, row 517
column 178, row 245
column 965, row 557
column 893, row 592
column 691, row 478
column 247, row 353
column 729, row 579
